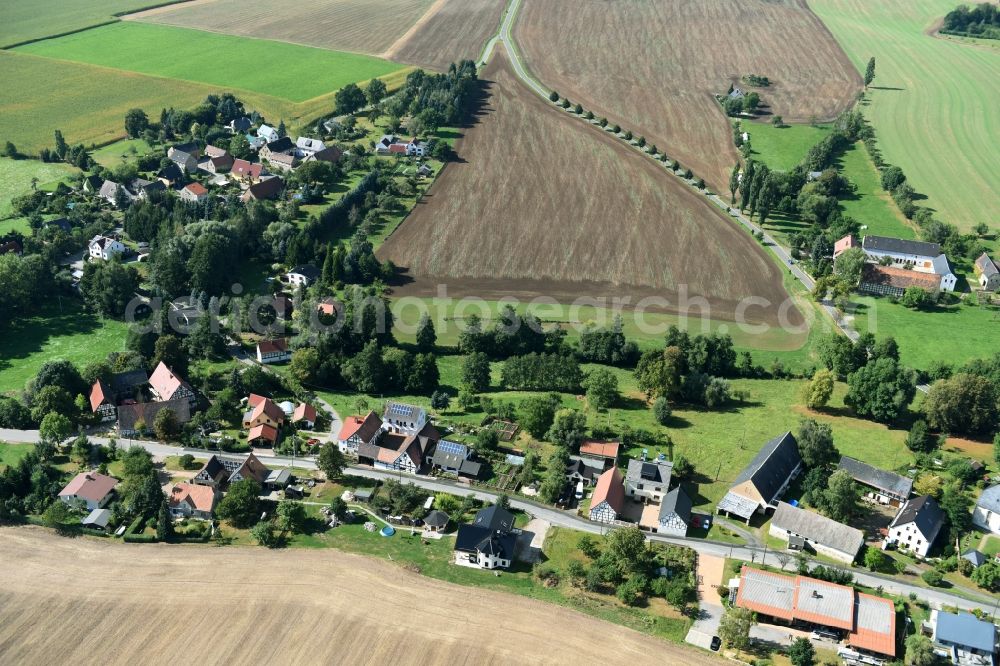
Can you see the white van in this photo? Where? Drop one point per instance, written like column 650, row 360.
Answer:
column 579, row 490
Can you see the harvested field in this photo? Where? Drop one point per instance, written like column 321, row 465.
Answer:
column 451, row 30
column 88, row 601
column 542, row 204
column 25, row 20
column 363, row 26
column 652, row 67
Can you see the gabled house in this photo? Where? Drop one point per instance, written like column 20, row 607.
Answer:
column 402, row 418
column 675, row 513
column 90, row 490
column 92, row 184
column 165, row 385
column 825, row 536
column 488, row 542
column 330, row 154
column 184, row 160
column 282, row 161
column 102, row 401
column 399, row 453
column 604, row 452
column 382, row 145
column 247, row 468
column 265, row 190
column 648, row 479
column 218, row 164
column 262, row 435
column 142, row 188
column 358, row 430
column 583, row 470
column 455, row 458
column 170, row 174
column 882, row 487
column 986, row 513
column 105, row 395
column 303, row 275
column 987, row 273
column 328, row 306
column 761, row 483
column 916, row 526
column 306, row 146
column 104, row 248
column 239, row 125
column 416, row 148
column 282, row 146
column 964, row 637
column 189, row 500
column 193, row 193
column 132, row 416
column 609, row 497
column 213, row 473
column 265, row 412
column 912, row 255
column 268, row 133
column 889, row 281
column 273, row 351
column 109, row 192
column 304, row 416
column 246, row 172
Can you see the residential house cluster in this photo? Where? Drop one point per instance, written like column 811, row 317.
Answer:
column 133, row 400
column 390, row 144
column 199, row 497
column 489, row 541
column 264, row 419
column 894, row 264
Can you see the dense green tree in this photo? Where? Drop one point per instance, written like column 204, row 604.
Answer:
column 165, row 425
column 662, row 411
column 331, row 461
column 109, row 286
column 164, row 522
column 55, row 428
column 820, row 389
column 920, row 651
column 816, row 444
column 264, row 534
column 52, row 400
column 291, row 516
column 659, row 373
column 305, row 364
column 964, row 404
column 874, row 559
column 957, row 505
column 426, row 335
column 476, row 372
column 602, row 388
column 136, row 122
column 241, row 505
column 536, row 414
column 840, row 499
column 801, row 652
column 366, row 371
column 919, row 439
column 849, row 265
column 734, row 183
column 987, row 576
column 568, row 429
column 13, row 414
column 734, row 629
column 348, row 99
column 870, row 72
column 880, row 390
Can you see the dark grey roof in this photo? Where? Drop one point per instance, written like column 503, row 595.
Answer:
column 126, row 382
column 654, row 471
column 449, row 454
column 310, row 272
column 437, row 519
column 470, row 468
column 170, row 172
column 818, row 529
column 974, row 556
column 990, row 499
column 476, row 539
column 128, row 415
column 986, row 265
column 877, row 478
column 241, row 124
column 214, row 468
column 886, row 244
column 925, row 513
column 60, row 222
column 772, row 466
column 282, row 145
column 676, row 501
column 496, row 518
column 578, row 466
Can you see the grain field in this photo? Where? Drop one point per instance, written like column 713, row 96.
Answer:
column 88, row 601
column 451, row 30
column 653, row 66
column 542, row 204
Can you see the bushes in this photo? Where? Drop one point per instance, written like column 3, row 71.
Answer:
column 139, row 538
column 933, row 577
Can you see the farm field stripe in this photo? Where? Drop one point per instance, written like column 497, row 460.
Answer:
column 286, row 71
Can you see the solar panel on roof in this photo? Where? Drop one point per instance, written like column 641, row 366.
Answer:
column 452, row 448
column 648, row 471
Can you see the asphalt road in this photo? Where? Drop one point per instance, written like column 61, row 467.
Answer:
column 554, row 516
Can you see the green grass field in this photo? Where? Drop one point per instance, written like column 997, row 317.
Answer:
column 16, row 175
column 11, row 454
column 782, row 148
column 287, row 71
column 869, row 204
column 70, row 333
column 120, row 152
column 34, row 19
column 953, row 334
column 933, row 102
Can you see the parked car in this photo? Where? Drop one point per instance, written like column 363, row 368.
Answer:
column 716, row 643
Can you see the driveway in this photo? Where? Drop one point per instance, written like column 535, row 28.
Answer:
column 711, row 572
column 530, row 541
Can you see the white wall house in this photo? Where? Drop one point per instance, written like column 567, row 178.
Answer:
column 987, row 512
column 404, row 419
column 648, row 479
column 90, row 490
column 267, row 133
column 911, row 255
column 306, row 146
column 916, row 526
column 104, row 248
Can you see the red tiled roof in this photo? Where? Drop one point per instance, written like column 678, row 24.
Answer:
column 202, row 498
column 397, row 148
column 263, row 431
column 600, row 449
column 845, row 243
column 196, row 189
column 611, row 488
column 244, row 168
column 267, row 407
column 99, row 393
column 271, row 346
column 254, row 399
column 899, row 277
column 91, row 486
column 165, row 383
column 304, row 411
column 365, row 427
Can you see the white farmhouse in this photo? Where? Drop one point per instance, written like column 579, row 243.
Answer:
column 987, row 512
column 104, row 248
column 911, row 255
column 916, row 525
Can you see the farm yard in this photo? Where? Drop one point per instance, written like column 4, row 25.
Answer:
column 287, row 71
column 653, row 67
column 24, row 20
column 361, row 26
column 63, row 598
column 933, row 102
column 452, row 30
column 519, row 226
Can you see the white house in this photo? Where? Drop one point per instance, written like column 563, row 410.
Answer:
column 303, row 275
column 406, row 457
column 987, row 512
column 910, row 255
column 273, row 351
column 267, row 133
column 488, row 542
column 916, row 525
column 91, row 490
column 402, row 418
column 358, row 430
column 675, row 513
column 805, row 528
column 102, row 247
column 189, row 500
column 194, row 192
column 306, row 146
column 648, row 479
column 416, row 148
column 609, row 497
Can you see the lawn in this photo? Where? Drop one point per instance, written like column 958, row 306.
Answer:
column 34, row 19
column 11, row 454
column 991, row 546
column 120, row 152
column 869, row 204
column 933, row 103
column 782, row 148
column 64, row 331
column 16, row 177
column 953, row 334
column 287, row 71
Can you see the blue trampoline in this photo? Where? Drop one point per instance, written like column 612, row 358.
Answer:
column 387, row 531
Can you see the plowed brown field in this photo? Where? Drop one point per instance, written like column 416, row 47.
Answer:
column 652, row 67
column 542, row 203
column 451, row 30
column 85, row 601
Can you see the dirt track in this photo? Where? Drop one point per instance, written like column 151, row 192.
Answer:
column 540, row 203
column 87, row 601
column 652, row 67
